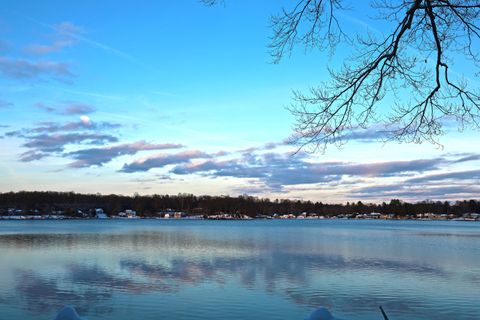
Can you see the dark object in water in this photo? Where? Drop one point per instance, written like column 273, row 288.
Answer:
column 383, row 313
column 68, row 313
column 322, row 314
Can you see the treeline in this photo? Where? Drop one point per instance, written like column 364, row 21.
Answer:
column 151, row 205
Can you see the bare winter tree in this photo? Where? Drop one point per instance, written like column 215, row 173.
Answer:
column 408, row 67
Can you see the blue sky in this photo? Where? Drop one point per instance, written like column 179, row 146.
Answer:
column 173, row 96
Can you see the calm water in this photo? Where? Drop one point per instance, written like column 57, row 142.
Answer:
column 239, row 270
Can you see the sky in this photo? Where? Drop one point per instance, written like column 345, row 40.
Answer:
column 173, row 97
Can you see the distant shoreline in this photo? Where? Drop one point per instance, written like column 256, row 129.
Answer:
column 66, row 218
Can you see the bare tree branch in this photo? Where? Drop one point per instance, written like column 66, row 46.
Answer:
column 398, row 65
column 312, row 23
column 211, row 2
column 402, row 79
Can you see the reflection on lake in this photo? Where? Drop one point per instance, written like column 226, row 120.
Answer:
column 239, row 269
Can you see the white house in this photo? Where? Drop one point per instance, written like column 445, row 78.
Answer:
column 100, row 214
column 177, row 215
column 128, row 214
column 131, row 213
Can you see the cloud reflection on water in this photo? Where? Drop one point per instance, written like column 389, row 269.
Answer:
column 172, row 262
column 90, row 286
column 40, row 294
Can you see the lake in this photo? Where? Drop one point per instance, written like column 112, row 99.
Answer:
column 170, row 269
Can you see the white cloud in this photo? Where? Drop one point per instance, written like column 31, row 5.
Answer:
column 85, row 119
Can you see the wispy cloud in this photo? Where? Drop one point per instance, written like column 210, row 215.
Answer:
column 49, row 127
column 72, row 108
column 71, row 90
column 417, row 191
column 273, row 171
column 265, row 147
column 432, row 185
column 372, row 134
column 457, row 175
column 162, row 160
column 43, row 145
column 469, row 157
column 41, row 49
column 99, row 156
column 5, row 104
column 51, row 138
column 21, row 69
column 279, row 170
column 64, row 36
column 71, row 30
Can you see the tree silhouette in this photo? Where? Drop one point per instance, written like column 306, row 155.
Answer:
column 409, row 64
column 38, row 202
